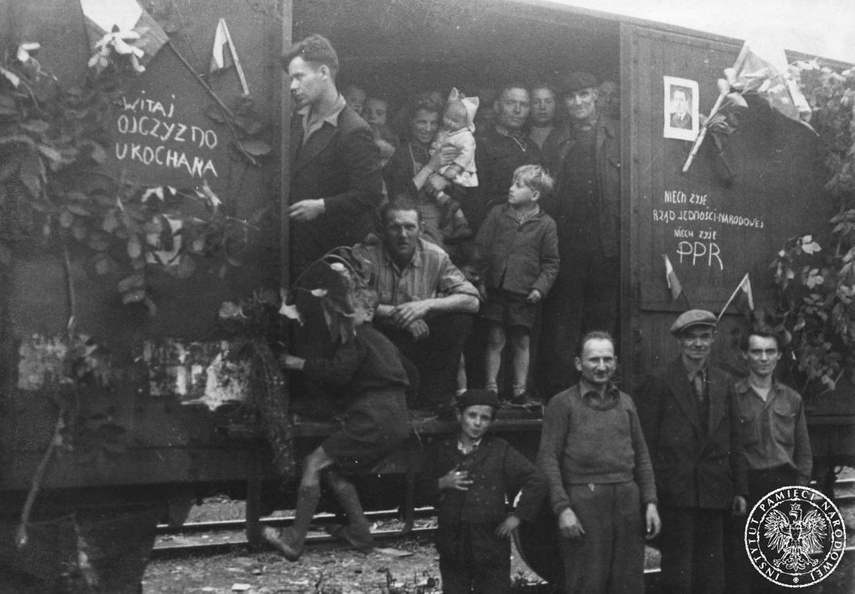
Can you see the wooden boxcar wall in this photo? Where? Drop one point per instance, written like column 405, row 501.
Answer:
column 171, row 441
column 714, row 230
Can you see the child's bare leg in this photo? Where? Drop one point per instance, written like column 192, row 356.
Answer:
column 520, row 356
column 462, row 383
column 495, row 346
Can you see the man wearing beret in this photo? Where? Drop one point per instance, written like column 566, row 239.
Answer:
column 690, row 420
column 584, row 157
column 469, row 477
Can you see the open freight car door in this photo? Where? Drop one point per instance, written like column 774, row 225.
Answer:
column 728, row 215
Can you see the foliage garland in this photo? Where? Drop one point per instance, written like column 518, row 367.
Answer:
column 816, row 286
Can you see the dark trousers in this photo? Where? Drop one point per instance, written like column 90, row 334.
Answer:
column 692, row 547
column 609, row 557
column 475, row 561
column 742, row 578
column 436, row 357
column 583, row 298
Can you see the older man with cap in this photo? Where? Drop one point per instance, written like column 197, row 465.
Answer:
column 584, row 157
column 690, row 420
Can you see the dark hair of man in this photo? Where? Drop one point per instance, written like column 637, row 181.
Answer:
column 593, row 335
column 400, row 203
column 762, row 332
column 508, row 87
column 316, row 50
column 544, row 85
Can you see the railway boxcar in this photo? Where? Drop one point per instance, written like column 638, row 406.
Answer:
column 170, row 426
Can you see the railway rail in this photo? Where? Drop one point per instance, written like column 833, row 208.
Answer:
column 845, row 500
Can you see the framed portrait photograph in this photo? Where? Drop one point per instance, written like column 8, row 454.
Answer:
column 680, row 108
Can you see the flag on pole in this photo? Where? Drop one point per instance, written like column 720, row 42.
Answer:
column 224, row 55
column 221, row 56
column 126, row 21
column 745, row 297
column 762, row 68
column 672, row 280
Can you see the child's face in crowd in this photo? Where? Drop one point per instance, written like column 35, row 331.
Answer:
column 362, row 315
column 453, row 120
column 521, row 194
column 375, row 111
column 355, row 98
column 471, row 273
column 475, row 420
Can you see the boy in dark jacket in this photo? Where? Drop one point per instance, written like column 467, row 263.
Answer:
column 471, row 477
column 522, row 242
column 368, row 369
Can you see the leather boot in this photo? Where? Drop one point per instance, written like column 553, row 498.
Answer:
column 290, row 541
column 358, row 532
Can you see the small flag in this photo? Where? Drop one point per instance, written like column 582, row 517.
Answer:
column 221, row 56
column 125, row 21
column 224, row 55
column 671, row 279
column 762, row 68
column 745, row 300
column 745, row 295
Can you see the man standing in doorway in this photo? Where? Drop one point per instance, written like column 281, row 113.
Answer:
column 335, row 168
column 586, row 208
column 690, row 420
column 502, row 148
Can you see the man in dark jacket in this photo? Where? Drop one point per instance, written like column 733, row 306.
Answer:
column 584, row 157
column 690, row 420
column 335, row 166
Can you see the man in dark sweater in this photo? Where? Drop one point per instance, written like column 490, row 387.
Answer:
column 471, row 477
column 600, row 477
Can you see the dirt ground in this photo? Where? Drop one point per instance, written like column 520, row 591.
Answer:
column 403, row 566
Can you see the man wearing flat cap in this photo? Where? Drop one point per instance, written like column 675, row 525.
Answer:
column 470, row 477
column 690, row 420
column 584, row 157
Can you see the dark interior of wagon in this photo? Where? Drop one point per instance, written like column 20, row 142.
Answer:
column 398, row 47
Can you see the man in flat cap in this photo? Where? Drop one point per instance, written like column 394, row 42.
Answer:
column 584, row 157
column 690, row 420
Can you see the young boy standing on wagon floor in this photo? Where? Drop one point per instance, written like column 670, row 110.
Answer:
column 522, row 242
column 469, row 477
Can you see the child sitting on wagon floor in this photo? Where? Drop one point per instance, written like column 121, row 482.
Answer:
column 522, row 242
column 471, row 477
column 368, row 368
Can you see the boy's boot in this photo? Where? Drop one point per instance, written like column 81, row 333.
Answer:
column 358, row 532
column 290, row 541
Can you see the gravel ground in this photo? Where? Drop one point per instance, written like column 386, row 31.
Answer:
column 409, row 565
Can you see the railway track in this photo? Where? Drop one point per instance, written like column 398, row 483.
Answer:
column 230, row 535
